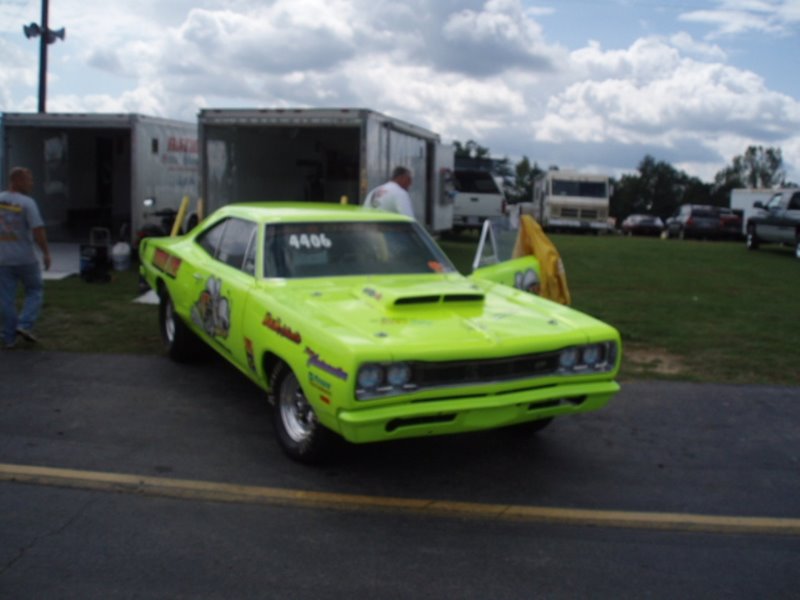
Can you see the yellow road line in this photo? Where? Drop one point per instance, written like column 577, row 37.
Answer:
column 248, row 494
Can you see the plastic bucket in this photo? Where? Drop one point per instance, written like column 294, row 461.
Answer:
column 121, row 256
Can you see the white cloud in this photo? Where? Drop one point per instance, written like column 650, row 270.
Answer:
column 734, row 17
column 468, row 69
column 688, row 45
column 500, row 36
column 649, row 94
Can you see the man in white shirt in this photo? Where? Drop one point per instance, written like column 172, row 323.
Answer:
column 393, row 195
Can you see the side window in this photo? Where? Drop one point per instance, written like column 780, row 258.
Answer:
column 209, row 239
column 235, row 242
column 794, row 203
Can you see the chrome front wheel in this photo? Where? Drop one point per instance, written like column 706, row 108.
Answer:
column 298, row 430
column 297, row 416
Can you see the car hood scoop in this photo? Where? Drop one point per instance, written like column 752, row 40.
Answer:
column 425, row 294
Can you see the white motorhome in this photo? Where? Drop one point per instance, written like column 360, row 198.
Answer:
column 96, row 170
column 572, row 201
column 323, row 155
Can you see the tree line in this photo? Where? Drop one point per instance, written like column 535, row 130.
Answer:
column 656, row 188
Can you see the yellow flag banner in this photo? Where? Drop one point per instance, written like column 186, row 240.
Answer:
column 533, row 240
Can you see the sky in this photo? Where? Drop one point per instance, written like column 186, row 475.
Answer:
column 592, row 85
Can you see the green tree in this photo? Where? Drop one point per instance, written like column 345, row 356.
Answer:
column 658, row 189
column 756, row 168
column 524, row 176
column 471, row 149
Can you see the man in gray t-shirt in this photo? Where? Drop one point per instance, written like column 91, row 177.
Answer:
column 21, row 227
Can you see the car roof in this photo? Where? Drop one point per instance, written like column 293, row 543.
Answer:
column 292, row 212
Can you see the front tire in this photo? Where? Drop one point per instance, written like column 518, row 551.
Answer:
column 299, row 433
column 752, row 238
column 179, row 342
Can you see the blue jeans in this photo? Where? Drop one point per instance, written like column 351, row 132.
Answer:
column 30, row 276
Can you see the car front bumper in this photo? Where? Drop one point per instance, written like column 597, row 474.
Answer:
column 472, row 413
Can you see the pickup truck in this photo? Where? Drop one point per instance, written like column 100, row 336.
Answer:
column 778, row 222
column 478, row 197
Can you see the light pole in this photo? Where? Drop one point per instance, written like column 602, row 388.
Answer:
column 47, row 36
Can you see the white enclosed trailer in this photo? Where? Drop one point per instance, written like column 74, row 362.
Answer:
column 320, row 155
column 95, row 170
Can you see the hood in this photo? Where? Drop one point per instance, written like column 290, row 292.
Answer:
column 424, row 315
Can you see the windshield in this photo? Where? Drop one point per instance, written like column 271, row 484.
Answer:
column 294, row 250
column 475, row 182
column 583, row 189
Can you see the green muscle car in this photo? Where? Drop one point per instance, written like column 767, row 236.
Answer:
column 358, row 326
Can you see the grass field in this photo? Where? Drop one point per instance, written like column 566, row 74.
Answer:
column 699, row 310
column 704, row 311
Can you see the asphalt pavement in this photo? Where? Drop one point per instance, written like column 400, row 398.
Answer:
column 658, row 450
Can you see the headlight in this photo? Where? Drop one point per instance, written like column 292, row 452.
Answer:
column 377, row 381
column 569, row 358
column 591, row 355
column 398, row 375
column 370, row 377
column 591, row 358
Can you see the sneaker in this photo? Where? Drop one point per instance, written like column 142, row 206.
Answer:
column 10, row 345
column 27, row 334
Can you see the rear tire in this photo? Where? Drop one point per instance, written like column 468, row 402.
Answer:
column 179, row 342
column 299, row 433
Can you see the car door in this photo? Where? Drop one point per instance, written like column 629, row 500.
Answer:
column 525, row 271
column 771, row 224
column 223, row 285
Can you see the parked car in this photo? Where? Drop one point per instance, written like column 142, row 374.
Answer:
column 778, row 222
column 698, row 221
column 642, row 225
column 730, row 224
column 358, row 326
